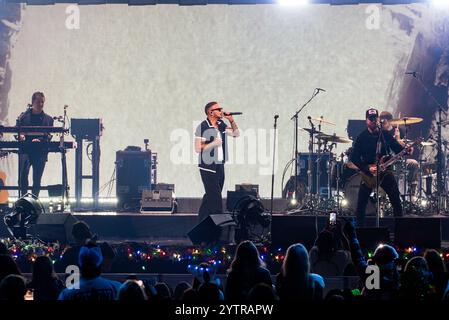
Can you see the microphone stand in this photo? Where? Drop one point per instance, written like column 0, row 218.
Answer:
column 296, row 127
column 62, row 150
column 440, row 163
column 274, row 157
column 378, row 157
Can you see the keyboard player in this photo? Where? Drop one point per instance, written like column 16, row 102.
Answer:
column 32, row 152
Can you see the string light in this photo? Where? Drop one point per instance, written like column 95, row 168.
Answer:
column 144, row 255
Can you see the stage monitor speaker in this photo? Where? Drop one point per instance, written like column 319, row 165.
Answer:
column 52, row 227
column 215, row 229
column 370, row 238
column 288, row 230
column 133, row 174
column 420, row 232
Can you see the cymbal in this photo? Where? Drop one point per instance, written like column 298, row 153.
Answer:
column 423, row 143
column 321, row 120
column 405, row 121
column 310, row 130
column 428, row 143
column 333, row 138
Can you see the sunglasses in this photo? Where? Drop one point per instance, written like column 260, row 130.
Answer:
column 218, row 109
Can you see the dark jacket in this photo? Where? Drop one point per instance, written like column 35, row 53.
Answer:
column 239, row 283
column 25, row 119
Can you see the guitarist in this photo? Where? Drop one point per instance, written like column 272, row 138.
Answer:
column 364, row 157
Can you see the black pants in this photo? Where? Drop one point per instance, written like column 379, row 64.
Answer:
column 213, row 185
column 37, row 161
column 390, row 186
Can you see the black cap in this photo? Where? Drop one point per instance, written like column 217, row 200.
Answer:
column 372, row 113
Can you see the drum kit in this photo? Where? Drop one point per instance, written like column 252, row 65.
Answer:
column 340, row 192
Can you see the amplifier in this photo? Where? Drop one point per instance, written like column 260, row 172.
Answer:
column 86, row 128
column 133, row 175
column 157, row 201
column 247, row 187
column 233, row 198
column 355, row 127
column 163, row 186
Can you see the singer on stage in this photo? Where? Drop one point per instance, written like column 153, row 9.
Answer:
column 33, row 153
column 364, row 156
column 210, row 143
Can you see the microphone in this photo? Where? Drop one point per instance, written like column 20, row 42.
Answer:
column 319, row 89
column 233, row 113
column 276, row 116
column 413, row 73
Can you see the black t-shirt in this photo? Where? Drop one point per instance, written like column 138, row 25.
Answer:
column 364, row 149
column 209, row 159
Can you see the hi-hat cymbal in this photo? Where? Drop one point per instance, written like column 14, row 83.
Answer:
column 310, row 130
column 405, row 121
column 333, row 138
column 321, row 120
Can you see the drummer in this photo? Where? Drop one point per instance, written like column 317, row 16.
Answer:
column 412, row 164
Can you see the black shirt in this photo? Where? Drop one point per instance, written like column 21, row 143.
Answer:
column 28, row 118
column 364, row 149
column 209, row 159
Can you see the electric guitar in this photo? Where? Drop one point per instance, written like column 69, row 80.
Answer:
column 385, row 162
column 3, row 193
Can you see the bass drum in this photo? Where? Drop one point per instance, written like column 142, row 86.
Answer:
column 347, row 170
column 351, row 190
column 289, row 190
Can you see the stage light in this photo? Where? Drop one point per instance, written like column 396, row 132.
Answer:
column 25, row 213
column 424, row 203
column 344, row 203
column 293, row 202
column 293, row 3
column 250, row 213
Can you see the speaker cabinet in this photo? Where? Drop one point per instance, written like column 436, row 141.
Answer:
column 52, row 227
column 420, row 232
column 370, row 238
column 288, row 230
column 133, row 174
column 216, row 228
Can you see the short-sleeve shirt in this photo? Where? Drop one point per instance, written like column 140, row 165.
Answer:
column 209, row 159
column 92, row 289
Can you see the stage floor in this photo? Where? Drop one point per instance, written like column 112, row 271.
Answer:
column 172, row 229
